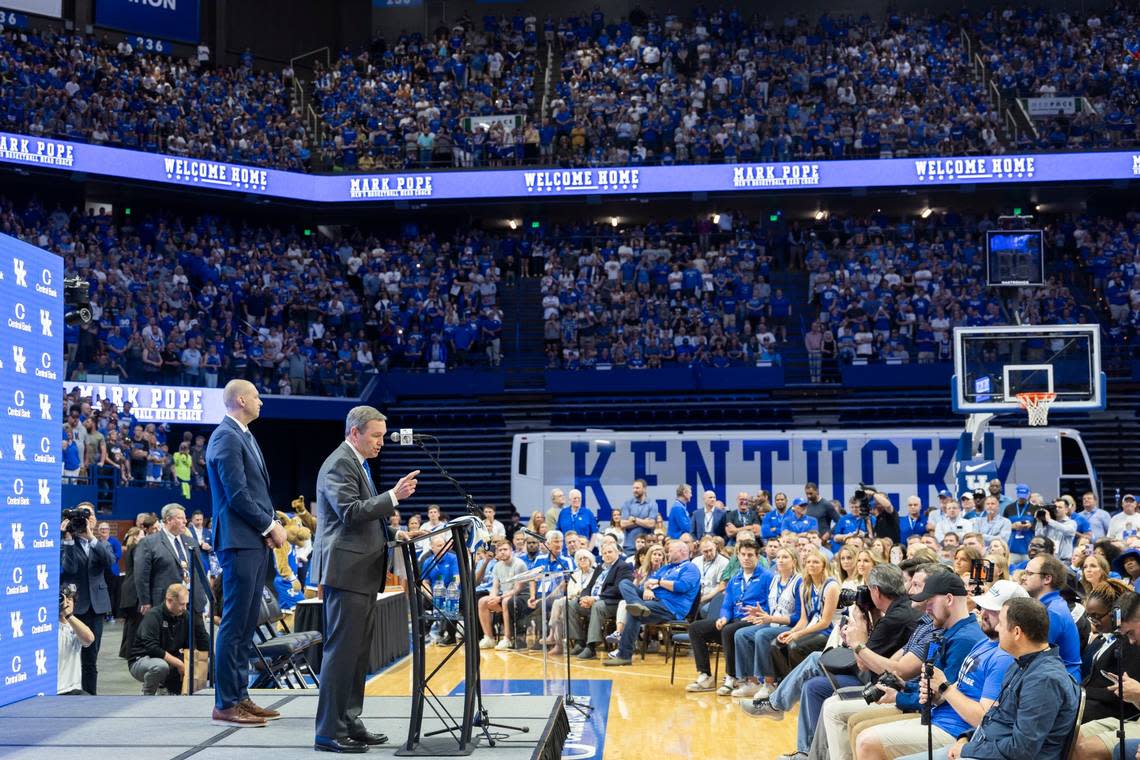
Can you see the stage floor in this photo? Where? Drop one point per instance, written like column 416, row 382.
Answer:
column 164, row 728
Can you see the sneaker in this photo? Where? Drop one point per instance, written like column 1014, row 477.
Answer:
column 746, row 690
column 487, row 643
column 726, row 687
column 704, row 682
column 762, row 708
column 637, row 610
column 793, row 756
column 587, row 653
column 618, row 661
column 613, row 638
column 504, row 644
column 763, row 692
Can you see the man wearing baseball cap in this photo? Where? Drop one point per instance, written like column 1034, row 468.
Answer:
column 1020, row 515
column 1125, row 524
column 798, row 521
column 962, row 641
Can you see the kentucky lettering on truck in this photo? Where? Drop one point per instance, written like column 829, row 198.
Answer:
column 899, row 462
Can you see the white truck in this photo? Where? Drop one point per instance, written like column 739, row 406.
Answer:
column 603, row 464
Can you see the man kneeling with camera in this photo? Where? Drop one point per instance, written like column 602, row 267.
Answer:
column 156, row 657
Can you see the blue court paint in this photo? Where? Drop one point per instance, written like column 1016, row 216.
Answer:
column 587, row 739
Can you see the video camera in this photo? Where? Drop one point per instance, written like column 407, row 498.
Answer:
column 1048, row 509
column 76, row 521
column 875, row 690
column 863, row 496
column 860, row 597
column 66, row 591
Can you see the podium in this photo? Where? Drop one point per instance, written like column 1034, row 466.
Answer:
column 455, row 738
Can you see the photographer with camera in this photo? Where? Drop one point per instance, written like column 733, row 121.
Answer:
column 74, row 636
column 1054, row 523
column 876, row 505
column 958, row 705
column 880, row 619
column 83, row 562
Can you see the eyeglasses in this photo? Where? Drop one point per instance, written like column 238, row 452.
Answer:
column 1032, row 572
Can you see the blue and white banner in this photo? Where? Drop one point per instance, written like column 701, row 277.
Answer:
column 158, row 403
column 974, row 475
column 162, row 19
column 31, row 366
column 491, row 184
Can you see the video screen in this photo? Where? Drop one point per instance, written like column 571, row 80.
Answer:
column 1015, row 258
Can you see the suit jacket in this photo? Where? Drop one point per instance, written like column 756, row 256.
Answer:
column 156, row 566
column 87, row 573
column 719, row 518
column 1100, row 700
column 621, row 571
column 239, row 487
column 350, row 550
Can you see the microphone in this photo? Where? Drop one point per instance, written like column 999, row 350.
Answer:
column 532, row 534
column 405, row 437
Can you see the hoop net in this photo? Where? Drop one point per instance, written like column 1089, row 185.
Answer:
column 1037, row 405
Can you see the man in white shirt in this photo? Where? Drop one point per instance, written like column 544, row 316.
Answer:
column 953, row 522
column 1126, row 524
column 74, row 636
column 711, row 564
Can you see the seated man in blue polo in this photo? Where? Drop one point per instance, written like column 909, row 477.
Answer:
column 578, row 519
column 668, row 594
column 771, row 525
column 798, row 521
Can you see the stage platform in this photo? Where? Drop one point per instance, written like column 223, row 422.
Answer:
column 169, row 727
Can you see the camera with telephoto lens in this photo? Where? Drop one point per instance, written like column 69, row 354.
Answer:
column 874, row 691
column 66, row 591
column 860, row 597
column 76, row 520
column 1041, row 512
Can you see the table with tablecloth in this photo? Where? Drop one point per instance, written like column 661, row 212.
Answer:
column 390, row 639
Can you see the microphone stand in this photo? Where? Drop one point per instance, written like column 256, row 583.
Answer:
column 482, row 716
column 928, row 707
column 1120, row 733
column 570, row 700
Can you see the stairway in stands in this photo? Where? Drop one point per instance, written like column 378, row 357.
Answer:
column 793, row 353
column 523, row 344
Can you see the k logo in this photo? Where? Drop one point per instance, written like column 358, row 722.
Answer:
column 45, row 322
column 17, row 535
column 18, row 447
column 20, row 360
column 21, row 272
column 16, row 617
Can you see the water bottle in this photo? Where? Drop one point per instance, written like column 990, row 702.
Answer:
column 453, row 598
column 439, row 596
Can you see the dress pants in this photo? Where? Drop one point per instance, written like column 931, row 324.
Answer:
column 594, row 621
column 350, row 618
column 89, row 656
column 243, row 578
column 658, row 613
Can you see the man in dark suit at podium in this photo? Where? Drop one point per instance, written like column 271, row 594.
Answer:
column 350, row 563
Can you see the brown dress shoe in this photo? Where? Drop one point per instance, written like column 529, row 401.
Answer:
column 260, row 712
column 236, row 717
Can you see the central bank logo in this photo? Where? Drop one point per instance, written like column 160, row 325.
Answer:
column 19, row 319
column 16, row 618
column 18, row 409
column 17, row 536
column 18, row 447
column 44, row 370
column 20, row 360
column 45, row 323
column 21, row 271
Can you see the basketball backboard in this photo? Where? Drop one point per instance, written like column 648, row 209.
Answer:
column 993, row 364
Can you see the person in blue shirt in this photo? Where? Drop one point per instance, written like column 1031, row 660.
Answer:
column 913, row 523
column 678, row 522
column 638, row 516
column 440, row 565
column 668, row 594
column 960, row 700
column 546, row 591
column 779, row 613
column 771, row 525
column 851, row 524
column 1020, row 516
column 747, row 588
column 1044, row 576
column 799, row 521
column 575, row 518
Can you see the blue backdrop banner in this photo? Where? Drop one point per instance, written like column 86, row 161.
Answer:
column 164, row 19
column 31, row 367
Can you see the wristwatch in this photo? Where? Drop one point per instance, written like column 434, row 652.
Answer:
column 943, row 688
column 858, row 648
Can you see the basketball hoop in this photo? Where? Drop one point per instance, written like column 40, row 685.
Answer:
column 1037, row 405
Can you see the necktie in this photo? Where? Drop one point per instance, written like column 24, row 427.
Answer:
column 180, row 550
column 368, row 477
column 256, row 448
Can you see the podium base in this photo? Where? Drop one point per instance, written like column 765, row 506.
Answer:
column 439, row 746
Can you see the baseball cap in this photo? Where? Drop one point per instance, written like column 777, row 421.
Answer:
column 1129, row 497
column 1022, row 491
column 1000, row 593
column 944, row 494
column 940, row 584
column 796, row 502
